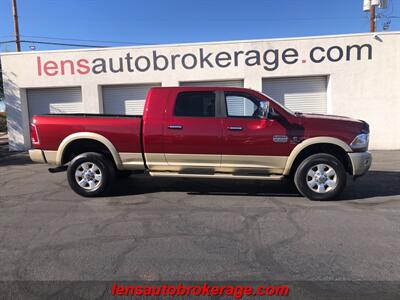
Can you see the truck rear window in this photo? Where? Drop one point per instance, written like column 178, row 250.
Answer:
column 195, row 104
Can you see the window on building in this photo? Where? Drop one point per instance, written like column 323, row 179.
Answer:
column 239, row 105
column 195, row 104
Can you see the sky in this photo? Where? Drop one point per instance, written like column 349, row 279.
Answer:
column 134, row 22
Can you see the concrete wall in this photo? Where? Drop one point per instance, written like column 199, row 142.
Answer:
column 365, row 87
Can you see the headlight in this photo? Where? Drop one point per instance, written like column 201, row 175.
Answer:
column 360, row 142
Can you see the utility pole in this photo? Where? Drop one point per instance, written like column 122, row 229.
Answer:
column 16, row 27
column 372, row 18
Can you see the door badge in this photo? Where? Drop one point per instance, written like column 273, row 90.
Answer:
column 280, row 138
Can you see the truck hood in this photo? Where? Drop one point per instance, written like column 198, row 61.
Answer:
column 330, row 117
column 344, row 128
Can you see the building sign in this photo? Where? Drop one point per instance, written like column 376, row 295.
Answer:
column 270, row 60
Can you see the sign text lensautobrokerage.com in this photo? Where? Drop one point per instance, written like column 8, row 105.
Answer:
column 269, row 59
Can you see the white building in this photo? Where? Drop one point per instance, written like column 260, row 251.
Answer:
column 351, row 75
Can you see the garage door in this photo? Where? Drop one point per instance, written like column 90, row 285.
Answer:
column 54, row 101
column 303, row 94
column 125, row 99
column 231, row 83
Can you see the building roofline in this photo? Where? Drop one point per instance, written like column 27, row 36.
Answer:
column 202, row 43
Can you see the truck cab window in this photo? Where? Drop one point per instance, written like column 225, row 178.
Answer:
column 239, row 105
column 195, row 104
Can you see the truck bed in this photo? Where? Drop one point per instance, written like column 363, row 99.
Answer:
column 123, row 131
column 92, row 115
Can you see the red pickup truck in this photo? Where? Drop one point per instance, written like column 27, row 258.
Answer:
column 205, row 132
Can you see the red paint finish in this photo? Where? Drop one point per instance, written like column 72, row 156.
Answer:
column 304, row 126
column 198, row 135
column 153, row 120
column 255, row 138
column 123, row 132
column 342, row 128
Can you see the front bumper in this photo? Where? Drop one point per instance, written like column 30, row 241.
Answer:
column 361, row 162
column 37, row 155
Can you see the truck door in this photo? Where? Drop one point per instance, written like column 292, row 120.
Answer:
column 192, row 133
column 251, row 144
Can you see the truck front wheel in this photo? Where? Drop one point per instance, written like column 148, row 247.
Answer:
column 320, row 177
column 90, row 174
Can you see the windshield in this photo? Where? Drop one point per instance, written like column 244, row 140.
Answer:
column 280, row 105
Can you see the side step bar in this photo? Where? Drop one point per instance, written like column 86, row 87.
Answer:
column 216, row 175
column 58, row 169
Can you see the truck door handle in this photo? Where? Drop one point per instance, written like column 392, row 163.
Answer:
column 235, row 128
column 175, row 126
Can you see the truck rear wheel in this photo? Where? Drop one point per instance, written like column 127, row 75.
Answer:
column 90, row 174
column 320, row 177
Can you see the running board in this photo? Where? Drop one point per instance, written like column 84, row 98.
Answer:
column 58, row 169
column 217, row 175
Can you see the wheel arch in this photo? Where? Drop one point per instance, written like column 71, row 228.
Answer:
column 315, row 145
column 88, row 136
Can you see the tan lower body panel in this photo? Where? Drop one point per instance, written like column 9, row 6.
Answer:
column 36, row 155
column 234, row 163
column 218, row 163
column 132, row 161
column 51, row 156
column 156, row 161
column 177, row 162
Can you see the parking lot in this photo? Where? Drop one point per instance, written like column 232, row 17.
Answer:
column 174, row 229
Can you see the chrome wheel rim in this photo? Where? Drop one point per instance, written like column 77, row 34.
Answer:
column 321, row 178
column 88, row 176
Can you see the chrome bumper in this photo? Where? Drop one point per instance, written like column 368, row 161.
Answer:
column 37, row 155
column 361, row 162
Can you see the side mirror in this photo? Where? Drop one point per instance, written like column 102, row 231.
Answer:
column 263, row 110
column 273, row 115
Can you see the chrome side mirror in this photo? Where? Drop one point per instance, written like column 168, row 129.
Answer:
column 274, row 115
column 263, row 110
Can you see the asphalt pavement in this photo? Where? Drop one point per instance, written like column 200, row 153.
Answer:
column 186, row 229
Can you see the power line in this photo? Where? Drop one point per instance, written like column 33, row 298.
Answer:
column 64, row 44
column 57, row 44
column 7, row 42
column 85, row 40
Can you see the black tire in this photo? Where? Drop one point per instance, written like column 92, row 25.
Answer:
column 97, row 162
column 302, row 178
